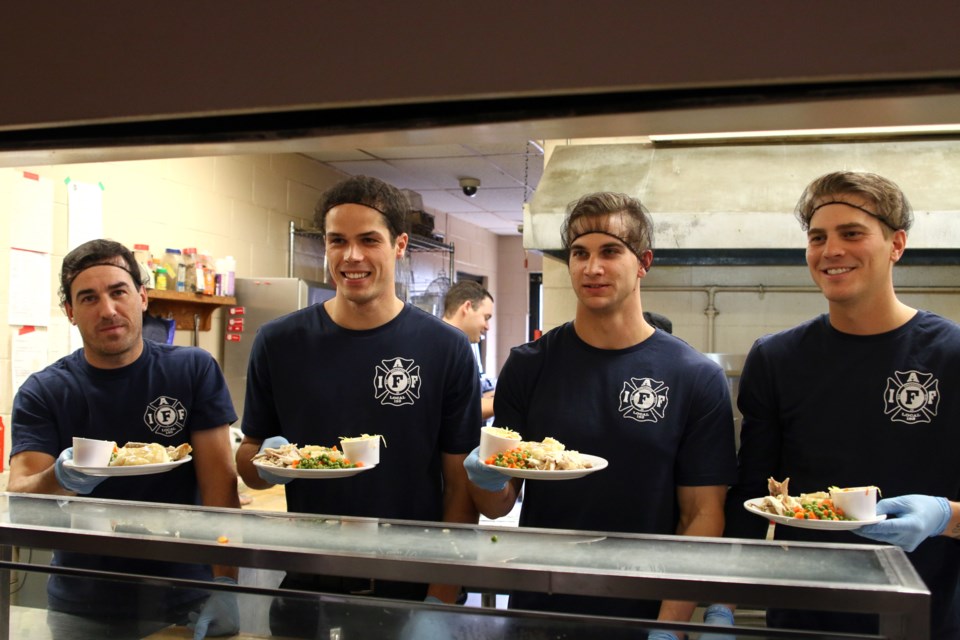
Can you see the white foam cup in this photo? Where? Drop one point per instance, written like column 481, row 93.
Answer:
column 365, row 450
column 858, row 503
column 494, row 440
column 92, row 453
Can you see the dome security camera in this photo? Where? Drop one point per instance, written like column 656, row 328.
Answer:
column 469, row 186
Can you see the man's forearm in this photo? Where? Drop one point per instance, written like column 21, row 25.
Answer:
column 44, row 482
column 248, row 473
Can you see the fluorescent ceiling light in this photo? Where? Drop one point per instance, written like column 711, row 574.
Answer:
column 808, row 133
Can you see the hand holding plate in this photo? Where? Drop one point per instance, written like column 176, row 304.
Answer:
column 71, row 479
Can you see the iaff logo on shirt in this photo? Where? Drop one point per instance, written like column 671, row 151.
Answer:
column 166, row 416
column 911, row 397
column 397, row 382
column 644, row 399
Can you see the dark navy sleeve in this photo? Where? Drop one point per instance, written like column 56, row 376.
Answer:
column 760, row 442
column 260, row 419
column 461, row 422
column 513, row 391
column 33, row 425
column 212, row 405
column 707, row 455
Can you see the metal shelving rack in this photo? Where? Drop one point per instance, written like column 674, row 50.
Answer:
column 417, row 244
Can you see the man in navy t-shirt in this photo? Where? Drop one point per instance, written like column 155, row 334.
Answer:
column 123, row 388
column 863, row 395
column 612, row 385
column 364, row 362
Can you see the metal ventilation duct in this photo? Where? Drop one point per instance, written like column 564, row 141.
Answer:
column 742, row 196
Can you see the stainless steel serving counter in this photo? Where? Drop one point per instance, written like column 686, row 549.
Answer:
column 862, row 578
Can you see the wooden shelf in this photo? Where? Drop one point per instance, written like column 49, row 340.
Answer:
column 182, row 307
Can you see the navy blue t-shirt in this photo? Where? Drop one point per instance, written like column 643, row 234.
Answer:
column 168, row 393
column 826, row 408
column 412, row 380
column 659, row 412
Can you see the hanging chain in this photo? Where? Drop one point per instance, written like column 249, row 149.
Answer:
column 526, row 171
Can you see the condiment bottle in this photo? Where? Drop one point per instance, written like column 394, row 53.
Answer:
column 161, row 279
column 141, row 253
column 209, row 275
column 173, row 263
column 190, row 270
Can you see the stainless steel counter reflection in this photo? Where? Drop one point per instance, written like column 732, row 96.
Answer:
column 867, row 578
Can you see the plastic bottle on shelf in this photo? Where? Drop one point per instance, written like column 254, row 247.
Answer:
column 190, row 270
column 229, row 274
column 161, row 278
column 141, row 253
column 173, row 263
column 209, row 275
column 220, row 268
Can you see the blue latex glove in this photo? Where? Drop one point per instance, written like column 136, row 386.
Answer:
column 916, row 518
column 426, row 625
column 71, row 479
column 220, row 615
column 721, row 616
column 273, row 442
column 659, row 634
column 482, row 475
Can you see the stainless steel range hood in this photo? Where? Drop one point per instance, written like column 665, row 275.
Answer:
column 741, row 196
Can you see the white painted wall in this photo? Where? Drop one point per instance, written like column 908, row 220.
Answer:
column 742, row 317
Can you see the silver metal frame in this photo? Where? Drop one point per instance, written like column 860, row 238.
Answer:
column 552, row 561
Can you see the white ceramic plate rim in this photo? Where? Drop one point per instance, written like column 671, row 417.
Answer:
column 131, row 470
column 566, row 474
column 313, row 474
column 825, row 525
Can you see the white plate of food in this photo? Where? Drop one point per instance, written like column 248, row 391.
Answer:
column 596, row 464
column 754, row 506
column 312, row 474
column 129, row 470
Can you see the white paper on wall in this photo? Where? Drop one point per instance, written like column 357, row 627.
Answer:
column 28, row 354
column 29, row 287
column 31, row 219
column 85, row 202
column 75, row 340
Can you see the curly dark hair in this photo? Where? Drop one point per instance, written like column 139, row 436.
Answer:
column 370, row 192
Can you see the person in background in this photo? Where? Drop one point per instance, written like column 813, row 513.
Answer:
column 609, row 384
column 364, row 362
column 859, row 396
column 469, row 307
column 123, row 388
column 658, row 321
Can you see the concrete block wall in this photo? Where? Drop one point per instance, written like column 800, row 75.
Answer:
column 238, row 205
column 233, row 205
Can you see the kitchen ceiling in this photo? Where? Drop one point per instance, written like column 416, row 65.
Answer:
column 508, row 172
